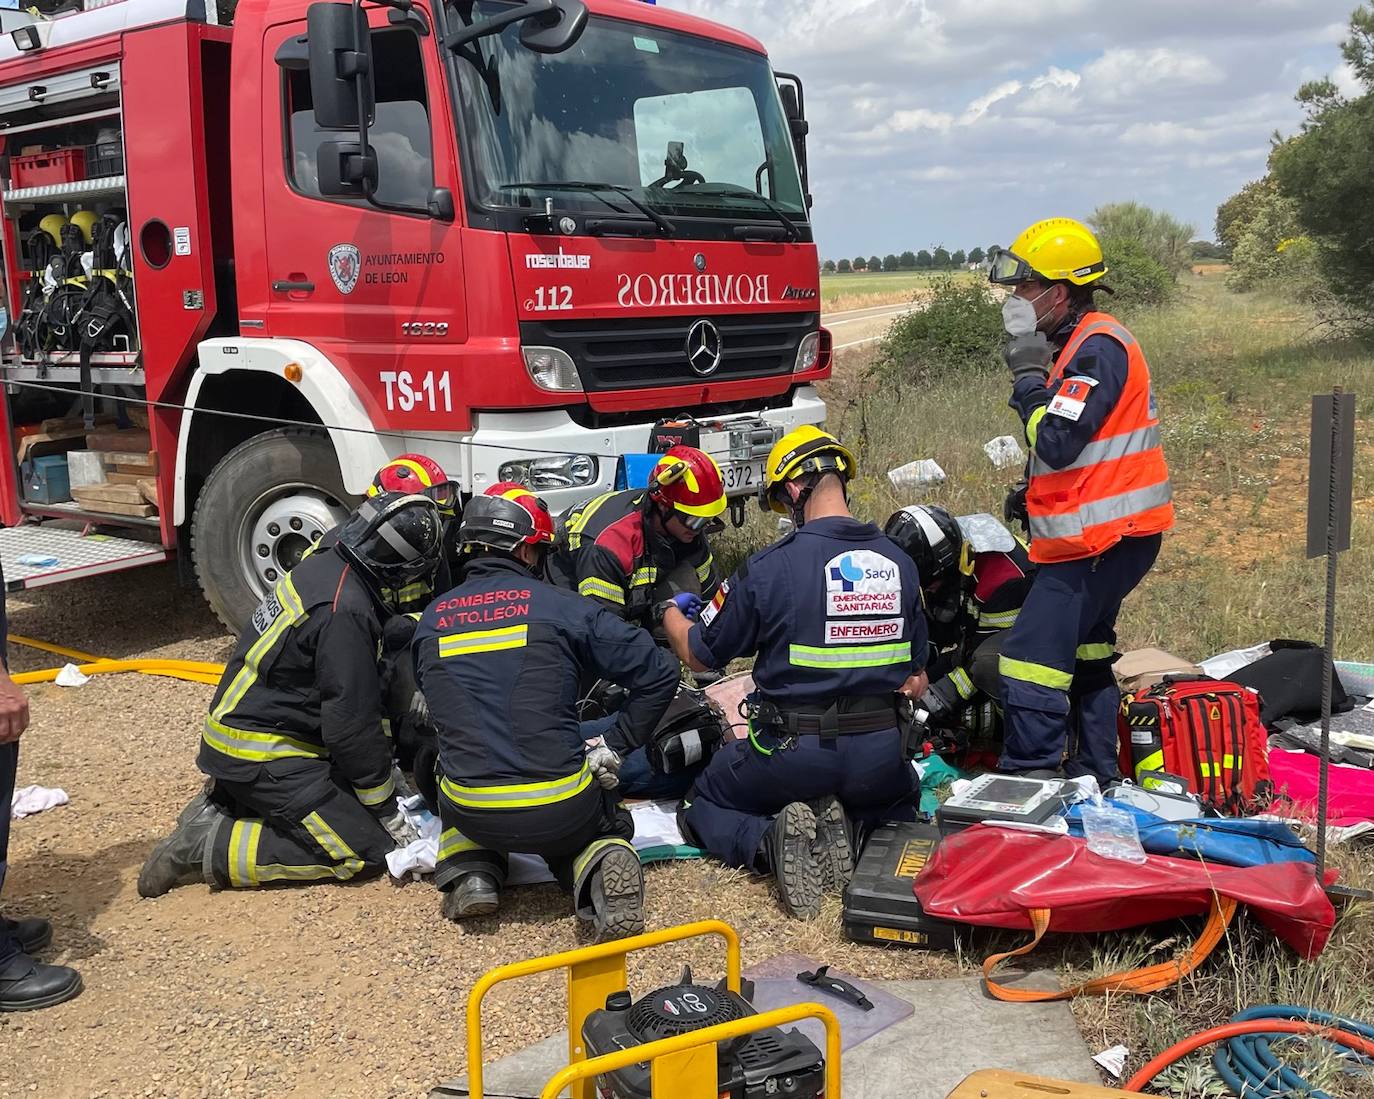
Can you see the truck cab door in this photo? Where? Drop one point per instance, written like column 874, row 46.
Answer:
column 380, row 293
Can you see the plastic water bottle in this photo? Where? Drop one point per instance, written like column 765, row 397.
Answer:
column 1112, row 833
column 915, row 476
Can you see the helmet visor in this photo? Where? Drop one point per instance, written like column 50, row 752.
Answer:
column 1007, row 268
column 445, row 494
column 695, row 523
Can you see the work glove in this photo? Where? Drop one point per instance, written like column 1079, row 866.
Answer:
column 687, row 602
column 404, row 789
column 1014, row 506
column 418, row 710
column 1028, row 356
column 605, row 763
column 402, row 832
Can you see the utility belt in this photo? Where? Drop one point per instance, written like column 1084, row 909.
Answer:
column 842, row 717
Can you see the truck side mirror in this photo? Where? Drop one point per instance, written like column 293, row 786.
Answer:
column 557, row 31
column 794, row 108
column 340, row 65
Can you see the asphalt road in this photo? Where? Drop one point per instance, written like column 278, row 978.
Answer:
column 859, row 327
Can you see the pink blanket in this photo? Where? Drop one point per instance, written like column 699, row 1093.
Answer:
column 1350, row 790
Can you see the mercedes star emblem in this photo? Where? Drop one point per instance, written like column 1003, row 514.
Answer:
column 699, row 262
column 703, row 347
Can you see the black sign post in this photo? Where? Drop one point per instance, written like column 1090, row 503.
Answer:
column 1331, row 474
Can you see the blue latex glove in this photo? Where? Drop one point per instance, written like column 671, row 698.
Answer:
column 688, row 604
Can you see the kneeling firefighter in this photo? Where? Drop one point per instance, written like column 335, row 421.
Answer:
column 833, row 612
column 975, row 574
column 302, row 779
column 1097, row 502
column 501, row 658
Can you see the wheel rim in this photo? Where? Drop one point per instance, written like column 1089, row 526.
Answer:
column 279, row 527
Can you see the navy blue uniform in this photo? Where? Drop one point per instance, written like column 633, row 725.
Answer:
column 833, row 612
column 1073, row 605
column 9, row 765
column 500, row 659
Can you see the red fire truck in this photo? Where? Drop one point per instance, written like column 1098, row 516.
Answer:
column 513, row 236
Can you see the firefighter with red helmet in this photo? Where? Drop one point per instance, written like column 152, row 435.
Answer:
column 421, row 475
column 632, row 551
column 302, row 777
column 501, row 658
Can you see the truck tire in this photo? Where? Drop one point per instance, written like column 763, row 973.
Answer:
column 261, row 508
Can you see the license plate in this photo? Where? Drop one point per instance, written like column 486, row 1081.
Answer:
column 742, row 477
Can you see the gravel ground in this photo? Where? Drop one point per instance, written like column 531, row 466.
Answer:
column 339, row 990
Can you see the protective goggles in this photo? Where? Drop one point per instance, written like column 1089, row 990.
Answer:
column 1007, row 268
column 696, row 523
column 445, row 494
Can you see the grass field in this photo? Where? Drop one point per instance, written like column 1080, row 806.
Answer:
column 1234, row 376
column 853, row 291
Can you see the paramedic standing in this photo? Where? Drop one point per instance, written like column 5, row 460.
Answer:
column 833, row 611
column 1098, row 499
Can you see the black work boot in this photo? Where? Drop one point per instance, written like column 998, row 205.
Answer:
column 834, row 851
column 789, row 849
column 26, row 985
column 474, row 894
column 618, row 895
column 32, row 935
column 180, row 859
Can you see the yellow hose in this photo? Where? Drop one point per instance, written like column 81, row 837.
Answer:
column 193, row 671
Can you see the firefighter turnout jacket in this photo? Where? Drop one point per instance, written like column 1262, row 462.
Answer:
column 990, row 603
column 833, row 610
column 500, row 659
column 1097, row 471
column 607, row 551
column 303, row 683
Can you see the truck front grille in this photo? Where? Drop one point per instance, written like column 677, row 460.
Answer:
column 644, row 352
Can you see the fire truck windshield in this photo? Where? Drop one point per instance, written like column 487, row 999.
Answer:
column 691, row 128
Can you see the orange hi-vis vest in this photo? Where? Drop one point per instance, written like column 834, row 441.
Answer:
column 1119, row 485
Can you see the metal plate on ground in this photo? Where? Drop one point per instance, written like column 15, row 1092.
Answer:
column 76, row 556
column 776, row 985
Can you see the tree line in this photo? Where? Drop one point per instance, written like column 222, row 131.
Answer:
column 938, row 259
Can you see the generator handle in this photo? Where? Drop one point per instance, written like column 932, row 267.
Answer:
column 685, row 1066
column 594, row 972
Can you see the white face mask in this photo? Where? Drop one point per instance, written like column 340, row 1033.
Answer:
column 1018, row 316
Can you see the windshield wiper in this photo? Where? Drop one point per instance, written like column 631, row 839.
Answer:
column 793, row 233
column 663, row 225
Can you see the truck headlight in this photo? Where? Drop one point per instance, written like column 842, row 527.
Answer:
column 552, row 369
column 808, row 353
column 554, row 471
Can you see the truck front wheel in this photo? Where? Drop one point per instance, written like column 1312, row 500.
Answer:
column 261, row 508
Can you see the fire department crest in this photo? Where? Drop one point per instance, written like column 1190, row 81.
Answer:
column 345, row 265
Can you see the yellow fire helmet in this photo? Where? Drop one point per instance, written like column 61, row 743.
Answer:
column 86, row 220
column 806, row 449
column 53, row 225
column 1056, row 250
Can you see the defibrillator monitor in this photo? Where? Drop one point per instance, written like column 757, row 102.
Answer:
column 1002, row 798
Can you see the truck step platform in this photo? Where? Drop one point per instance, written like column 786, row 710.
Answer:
column 77, row 556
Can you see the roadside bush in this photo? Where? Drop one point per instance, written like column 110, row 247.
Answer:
column 1138, row 279
column 958, row 329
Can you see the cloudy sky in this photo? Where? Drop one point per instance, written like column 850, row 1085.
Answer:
column 958, row 122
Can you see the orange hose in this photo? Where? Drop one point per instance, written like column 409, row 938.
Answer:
column 1235, row 1030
